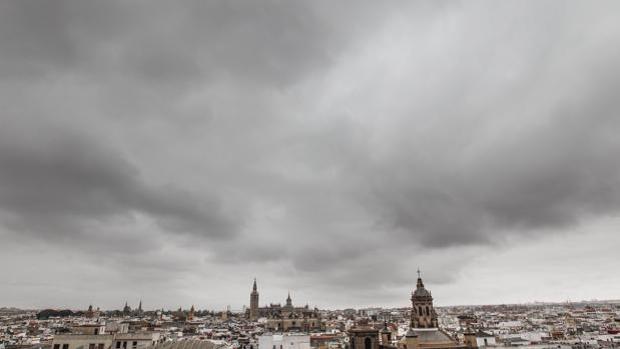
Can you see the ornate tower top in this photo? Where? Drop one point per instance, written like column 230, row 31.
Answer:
column 254, row 288
column 420, row 291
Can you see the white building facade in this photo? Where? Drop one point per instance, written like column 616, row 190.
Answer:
column 284, row 341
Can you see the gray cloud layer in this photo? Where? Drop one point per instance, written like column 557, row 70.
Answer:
column 342, row 145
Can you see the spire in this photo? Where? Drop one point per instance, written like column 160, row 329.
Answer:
column 190, row 316
column 289, row 302
column 419, row 284
column 140, row 305
column 254, row 286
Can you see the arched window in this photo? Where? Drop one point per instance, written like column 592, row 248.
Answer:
column 427, row 312
column 367, row 343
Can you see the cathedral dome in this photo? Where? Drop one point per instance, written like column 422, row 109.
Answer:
column 421, row 292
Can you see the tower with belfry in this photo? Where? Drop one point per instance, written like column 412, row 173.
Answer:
column 423, row 313
column 254, row 302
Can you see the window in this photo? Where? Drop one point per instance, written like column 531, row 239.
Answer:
column 427, row 312
column 367, row 343
column 100, row 346
column 65, row 346
column 274, row 346
column 91, row 346
column 486, row 342
column 134, row 344
column 125, row 345
column 118, row 344
column 96, row 331
column 56, row 346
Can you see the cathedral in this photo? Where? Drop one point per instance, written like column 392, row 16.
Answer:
column 284, row 318
column 423, row 333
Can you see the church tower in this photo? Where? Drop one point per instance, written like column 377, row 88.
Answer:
column 126, row 309
column 423, row 314
column 289, row 301
column 192, row 312
column 254, row 303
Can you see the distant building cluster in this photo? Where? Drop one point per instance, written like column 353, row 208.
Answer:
column 285, row 318
column 586, row 325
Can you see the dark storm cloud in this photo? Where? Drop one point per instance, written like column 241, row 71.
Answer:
column 270, row 42
column 344, row 143
column 54, row 182
column 552, row 172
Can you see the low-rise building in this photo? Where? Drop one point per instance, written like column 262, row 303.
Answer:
column 82, row 341
column 284, row 341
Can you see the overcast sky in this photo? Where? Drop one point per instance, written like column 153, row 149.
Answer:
column 173, row 151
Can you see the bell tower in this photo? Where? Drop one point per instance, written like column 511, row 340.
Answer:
column 423, row 314
column 289, row 301
column 254, row 302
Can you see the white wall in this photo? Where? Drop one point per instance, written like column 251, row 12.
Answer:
column 284, row 341
column 490, row 341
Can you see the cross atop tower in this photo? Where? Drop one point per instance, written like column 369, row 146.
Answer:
column 419, row 273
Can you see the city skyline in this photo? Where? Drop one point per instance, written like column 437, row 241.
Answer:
column 174, row 151
column 241, row 308
column 253, row 315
